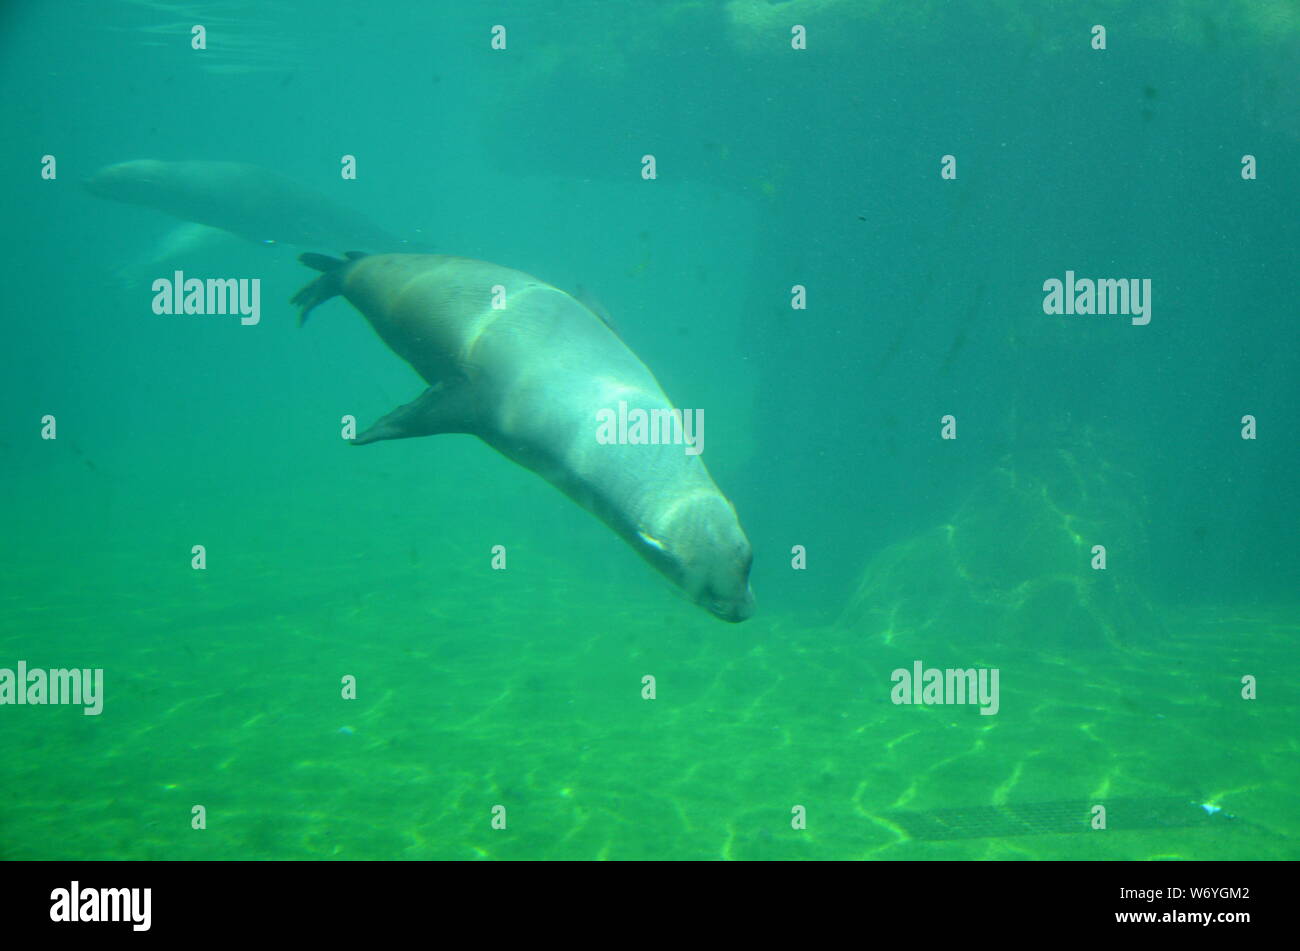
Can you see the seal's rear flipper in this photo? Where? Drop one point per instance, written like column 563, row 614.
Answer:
column 328, row 285
column 441, row 408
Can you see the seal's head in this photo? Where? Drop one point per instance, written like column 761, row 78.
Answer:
column 701, row 546
column 732, row 599
column 137, row 181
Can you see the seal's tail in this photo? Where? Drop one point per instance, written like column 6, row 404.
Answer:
column 329, row 284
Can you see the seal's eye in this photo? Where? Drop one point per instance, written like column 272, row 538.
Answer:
column 652, row 541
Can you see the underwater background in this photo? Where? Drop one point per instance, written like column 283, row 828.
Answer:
column 523, row 688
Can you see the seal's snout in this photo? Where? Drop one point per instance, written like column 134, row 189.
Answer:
column 107, row 182
column 733, row 610
column 138, row 182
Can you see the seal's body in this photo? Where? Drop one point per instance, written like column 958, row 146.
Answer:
column 529, row 369
column 252, row 202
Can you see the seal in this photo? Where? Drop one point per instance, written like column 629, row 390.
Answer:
column 252, row 202
column 530, row 371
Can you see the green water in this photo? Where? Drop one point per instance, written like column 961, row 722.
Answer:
column 478, row 689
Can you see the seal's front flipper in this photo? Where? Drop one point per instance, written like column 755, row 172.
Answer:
column 440, row 409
